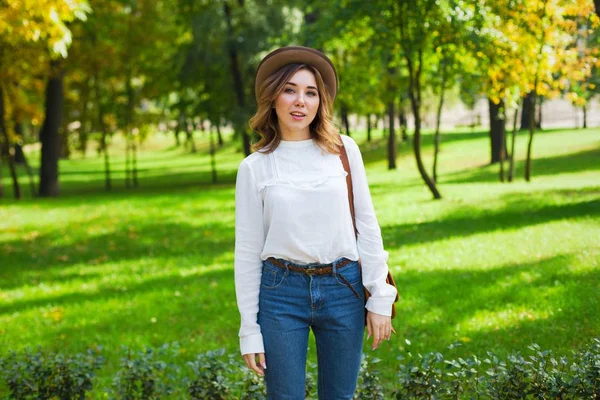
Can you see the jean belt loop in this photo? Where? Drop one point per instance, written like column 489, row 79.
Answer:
column 333, row 268
column 287, row 268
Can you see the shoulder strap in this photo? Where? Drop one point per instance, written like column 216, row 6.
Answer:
column 346, row 164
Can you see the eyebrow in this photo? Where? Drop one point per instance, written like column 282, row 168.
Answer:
column 293, row 84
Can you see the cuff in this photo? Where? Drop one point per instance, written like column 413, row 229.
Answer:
column 381, row 305
column 252, row 344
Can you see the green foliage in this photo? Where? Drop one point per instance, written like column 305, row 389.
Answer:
column 537, row 376
column 420, row 377
column 144, row 375
column 44, row 375
column 210, row 379
column 369, row 384
column 252, row 386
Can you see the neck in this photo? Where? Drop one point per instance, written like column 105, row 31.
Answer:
column 294, row 136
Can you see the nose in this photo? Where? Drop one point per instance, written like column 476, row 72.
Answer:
column 300, row 99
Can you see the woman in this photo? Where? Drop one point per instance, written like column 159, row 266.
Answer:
column 296, row 253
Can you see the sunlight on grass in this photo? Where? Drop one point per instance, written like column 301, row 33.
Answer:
column 497, row 266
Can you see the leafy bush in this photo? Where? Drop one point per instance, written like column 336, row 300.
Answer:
column 252, row 386
column 153, row 374
column 369, row 387
column 40, row 375
column 211, row 376
column 144, row 376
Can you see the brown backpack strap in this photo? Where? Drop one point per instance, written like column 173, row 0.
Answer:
column 346, row 164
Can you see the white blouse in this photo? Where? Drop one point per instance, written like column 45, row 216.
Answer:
column 293, row 204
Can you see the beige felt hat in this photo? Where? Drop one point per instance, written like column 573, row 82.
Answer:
column 297, row 55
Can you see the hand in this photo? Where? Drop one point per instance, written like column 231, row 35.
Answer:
column 251, row 363
column 380, row 327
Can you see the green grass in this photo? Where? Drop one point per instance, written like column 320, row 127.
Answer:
column 494, row 265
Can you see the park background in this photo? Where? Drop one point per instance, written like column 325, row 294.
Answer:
column 122, row 124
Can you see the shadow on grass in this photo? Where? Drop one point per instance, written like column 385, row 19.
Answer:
column 92, row 191
column 517, row 298
column 151, row 312
column 515, row 214
column 587, row 160
column 511, row 302
column 36, row 261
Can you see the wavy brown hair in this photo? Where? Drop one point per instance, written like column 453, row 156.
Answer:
column 264, row 121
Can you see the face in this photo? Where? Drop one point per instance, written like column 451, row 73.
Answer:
column 297, row 105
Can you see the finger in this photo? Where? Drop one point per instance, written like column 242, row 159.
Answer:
column 251, row 363
column 388, row 331
column 376, row 338
column 262, row 361
column 382, row 334
column 369, row 330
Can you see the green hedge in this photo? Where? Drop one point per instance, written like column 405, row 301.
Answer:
column 154, row 374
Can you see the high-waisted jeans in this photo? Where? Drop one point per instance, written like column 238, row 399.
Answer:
column 290, row 304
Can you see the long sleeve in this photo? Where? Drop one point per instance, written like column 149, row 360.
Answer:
column 370, row 244
column 249, row 242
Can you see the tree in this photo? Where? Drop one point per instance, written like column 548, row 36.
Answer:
column 40, row 32
column 413, row 20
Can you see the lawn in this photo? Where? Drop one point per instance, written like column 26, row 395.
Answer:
column 496, row 266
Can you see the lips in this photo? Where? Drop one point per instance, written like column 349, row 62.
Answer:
column 298, row 116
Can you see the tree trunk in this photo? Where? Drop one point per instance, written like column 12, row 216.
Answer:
column 391, row 137
column 104, row 134
column 584, row 116
column 368, row 127
column 403, row 123
column 511, row 166
column 49, row 135
column 7, row 149
column 534, row 97
column 502, row 154
column 219, row 136
column 20, row 157
column 134, row 162
column 344, row 115
column 497, row 130
column 213, row 161
column 414, row 92
column 128, row 131
column 82, row 131
column 436, row 143
column 529, row 109
column 530, row 141
column 189, row 134
column 237, row 80
column 538, row 121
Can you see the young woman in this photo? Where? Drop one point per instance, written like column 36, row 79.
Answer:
column 296, row 250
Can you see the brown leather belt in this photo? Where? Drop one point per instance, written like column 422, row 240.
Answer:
column 316, row 271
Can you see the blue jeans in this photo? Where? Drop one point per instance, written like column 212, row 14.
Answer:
column 291, row 303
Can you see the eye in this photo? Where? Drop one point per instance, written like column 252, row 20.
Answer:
column 313, row 94
column 289, row 90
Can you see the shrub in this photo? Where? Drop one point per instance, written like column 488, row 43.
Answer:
column 251, row 386
column 144, row 376
column 40, row 375
column 210, row 376
column 369, row 387
column 152, row 374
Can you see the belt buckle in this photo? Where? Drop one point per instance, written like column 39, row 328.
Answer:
column 311, row 270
